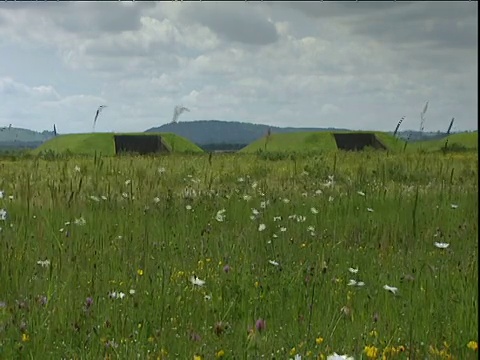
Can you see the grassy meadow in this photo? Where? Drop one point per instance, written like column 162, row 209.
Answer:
column 231, row 256
column 96, row 143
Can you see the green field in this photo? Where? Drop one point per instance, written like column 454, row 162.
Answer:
column 102, row 143
column 306, row 256
column 311, row 142
column 461, row 141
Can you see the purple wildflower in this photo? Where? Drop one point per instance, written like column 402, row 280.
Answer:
column 260, row 325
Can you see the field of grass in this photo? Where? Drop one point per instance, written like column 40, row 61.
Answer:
column 465, row 141
column 310, row 142
column 372, row 255
column 88, row 144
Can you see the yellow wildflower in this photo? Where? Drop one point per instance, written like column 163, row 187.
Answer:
column 319, row 340
column 25, row 337
column 197, row 357
column 220, row 354
column 371, row 352
column 473, row 345
column 293, row 351
column 140, row 272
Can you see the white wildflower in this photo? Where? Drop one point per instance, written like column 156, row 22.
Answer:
column 441, row 245
column 286, row 201
column 80, row 221
column 128, row 182
column 392, row 289
column 76, row 168
column 314, row 211
column 454, row 206
column 94, row 198
column 361, row 193
column 161, row 170
column 43, row 263
column 273, row 262
column 330, row 198
column 353, row 271
column 196, row 280
column 3, row 214
column 277, row 218
column 188, row 207
column 247, row 197
column 352, row 282
column 116, row 295
column 262, row 227
column 335, row 356
column 220, row 216
column 156, row 200
column 369, row 209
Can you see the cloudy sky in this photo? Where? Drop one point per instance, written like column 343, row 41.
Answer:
column 351, row 65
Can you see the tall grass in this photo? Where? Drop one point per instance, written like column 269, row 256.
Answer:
column 273, row 241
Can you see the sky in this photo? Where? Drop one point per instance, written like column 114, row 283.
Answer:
column 356, row 65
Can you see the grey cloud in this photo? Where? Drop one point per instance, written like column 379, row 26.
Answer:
column 453, row 25
column 232, row 21
column 86, row 17
column 101, row 17
column 345, row 9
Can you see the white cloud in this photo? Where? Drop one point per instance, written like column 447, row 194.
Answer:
column 301, row 64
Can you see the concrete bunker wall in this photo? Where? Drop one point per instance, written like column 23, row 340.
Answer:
column 141, row 144
column 357, row 141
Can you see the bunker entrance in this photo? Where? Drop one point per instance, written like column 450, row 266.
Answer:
column 358, row 141
column 140, row 144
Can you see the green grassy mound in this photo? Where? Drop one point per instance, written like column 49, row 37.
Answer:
column 305, row 142
column 88, row 144
column 461, row 141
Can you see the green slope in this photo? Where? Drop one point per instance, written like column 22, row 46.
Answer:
column 468, row 141
column 88, row 144
column 305, row 142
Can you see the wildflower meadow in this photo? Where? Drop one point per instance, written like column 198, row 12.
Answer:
column 227, row 256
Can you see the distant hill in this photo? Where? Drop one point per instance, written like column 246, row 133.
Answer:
column 12, row 138
column 11, row 134
column 208, row 132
